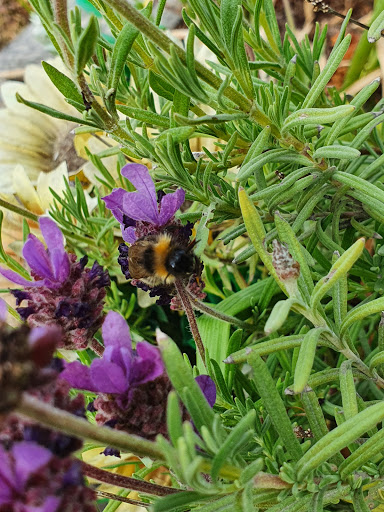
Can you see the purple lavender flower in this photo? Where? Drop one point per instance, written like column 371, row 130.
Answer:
column 33, row 479
column 49, row 267
column 132, row 384
column 63, row 291
column 141, row 209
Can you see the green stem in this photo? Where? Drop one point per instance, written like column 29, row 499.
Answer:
column 19, row 210
column 61, row 18
column 69, row 424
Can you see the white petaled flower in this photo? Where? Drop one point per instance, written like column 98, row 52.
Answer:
column 38, row 151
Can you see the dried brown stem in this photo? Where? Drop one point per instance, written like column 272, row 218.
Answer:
column 126, row 482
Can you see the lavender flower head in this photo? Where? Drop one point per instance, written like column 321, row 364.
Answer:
column 32, row 479
column 63, row 292
column 139, row 213
column 132, row 384
column 143, row 214
column 24, row 356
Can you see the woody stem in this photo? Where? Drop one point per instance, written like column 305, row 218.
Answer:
column 126, row 482
column 187, row 306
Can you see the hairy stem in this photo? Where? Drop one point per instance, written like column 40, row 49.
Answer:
column 69, row 424
column 126, row 482
column 204, row 308
column 116, row 497
column 185, row 300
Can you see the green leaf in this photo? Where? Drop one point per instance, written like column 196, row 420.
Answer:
column 338, row 269
column 121, row 49
column 376, row 28
column 228, row 13
column 145, row 116
column 184, row 383
column 86, row 45
column 278, row 315
column 173, row 502
column 53, row 113
column 256, row 233
column 274, row 405
column 238, row 438
column 63, row 83
column 332, row 64
column 174, row 420
column 363, row 454
column 359, row 504
column 348, row 391
column 307, row 116
column 337, row 151
column 339, row 438
column 306, row 358
column 265, row 347
column 161, row 86
column 360, row 312
column 178, row 134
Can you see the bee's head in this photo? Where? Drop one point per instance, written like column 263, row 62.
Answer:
column 181, row 262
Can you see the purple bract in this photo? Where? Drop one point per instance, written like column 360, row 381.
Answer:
column 121, row 368
column 142, row 205
column 50, row 267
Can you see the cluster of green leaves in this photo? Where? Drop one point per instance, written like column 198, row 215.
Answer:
column 295, row 162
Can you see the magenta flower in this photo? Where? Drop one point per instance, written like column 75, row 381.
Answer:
column 32, row 479
column 132, row 384
column 142, row 206
column 50, row 267
column 63, row 292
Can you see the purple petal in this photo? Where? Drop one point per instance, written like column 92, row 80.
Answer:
column 3, row 310
column 140, row 178
column 78, row 376
column 17, row 279
column 29, row 457
column 116, row 331
column 52, row 235
column 114, row 202
column 139, row 207
column 208, row 388
column 169, row 204
column 37, row 258
column 60, row 264
column 8, row 479
column 55, row 242
column 129, row 234
column 122, row 356
column 147, row 364
column 109, row 377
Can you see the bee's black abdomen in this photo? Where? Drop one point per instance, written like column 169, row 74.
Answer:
column 180, row 262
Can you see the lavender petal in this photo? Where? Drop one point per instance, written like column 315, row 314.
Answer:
column 169, row 205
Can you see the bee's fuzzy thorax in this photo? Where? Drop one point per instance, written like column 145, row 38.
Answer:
column 161, row 252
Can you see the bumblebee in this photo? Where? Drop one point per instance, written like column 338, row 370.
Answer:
column 161, row 259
